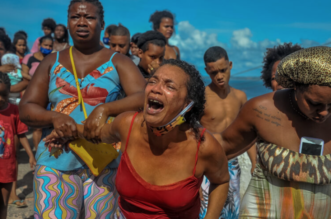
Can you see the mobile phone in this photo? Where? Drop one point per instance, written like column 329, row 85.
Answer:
column 311, row 146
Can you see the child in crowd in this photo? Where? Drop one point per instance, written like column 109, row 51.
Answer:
column 10, row 125
column 15, row 76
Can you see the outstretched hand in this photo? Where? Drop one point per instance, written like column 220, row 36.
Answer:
column 54, row 140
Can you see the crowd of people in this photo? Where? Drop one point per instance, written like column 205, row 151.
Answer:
column 123, row 128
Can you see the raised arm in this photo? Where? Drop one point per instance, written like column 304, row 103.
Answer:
column 33, row 105
column 133, row 85
column 241, row 134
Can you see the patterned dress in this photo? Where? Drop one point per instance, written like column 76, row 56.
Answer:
column 232, row 203
column 64, row 187
column 287, row 184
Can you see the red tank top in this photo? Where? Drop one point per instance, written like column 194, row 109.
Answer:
column 142, row 200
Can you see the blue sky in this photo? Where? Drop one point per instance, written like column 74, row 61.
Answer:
column 244, row 28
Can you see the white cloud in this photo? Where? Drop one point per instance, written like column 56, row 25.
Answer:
column 193, row 42
column 242, row 49
column 242, row 39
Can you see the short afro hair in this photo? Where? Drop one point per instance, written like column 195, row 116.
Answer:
column 4, row 38
column 120, row 30
column 273, row 55
column 50, row 23
column 195, row 92
column 151, row 37
column 135, row 38
column 156, row 18
column 215, row 53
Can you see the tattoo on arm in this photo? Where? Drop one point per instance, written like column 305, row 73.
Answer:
column 262, row 113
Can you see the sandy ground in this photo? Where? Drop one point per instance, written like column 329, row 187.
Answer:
column 24, row 187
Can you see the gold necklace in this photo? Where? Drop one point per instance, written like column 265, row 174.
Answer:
column 296, row 109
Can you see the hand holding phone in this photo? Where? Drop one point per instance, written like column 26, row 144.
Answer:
column 311, row 146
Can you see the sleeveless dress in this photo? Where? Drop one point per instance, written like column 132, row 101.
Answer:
column 288, row 184
column 64, row 187
column 142, row 200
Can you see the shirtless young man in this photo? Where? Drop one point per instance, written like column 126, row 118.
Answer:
column 223, row 103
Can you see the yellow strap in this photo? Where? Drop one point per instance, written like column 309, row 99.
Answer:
column 80, row 97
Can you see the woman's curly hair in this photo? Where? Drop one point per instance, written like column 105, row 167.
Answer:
column 157, row 16
column 195, row 92
column 50, row 23
column 273, row 55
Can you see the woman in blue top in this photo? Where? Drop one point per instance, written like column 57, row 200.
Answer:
column 64, row 186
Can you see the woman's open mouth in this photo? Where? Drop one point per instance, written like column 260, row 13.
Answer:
column 154, row 106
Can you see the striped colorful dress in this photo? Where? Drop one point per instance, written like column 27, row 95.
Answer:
column 288, row 184
column 64, row 187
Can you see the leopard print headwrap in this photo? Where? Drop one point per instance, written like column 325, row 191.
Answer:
column 310, row 66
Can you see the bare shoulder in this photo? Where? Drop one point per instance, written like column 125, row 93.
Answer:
column 176, row 48
column 45, row 66
column 210, row 148
column 241, row 95
column 108, row 52
column 49, row 59
column 121, row 61
column 259, row 102
column 125, row 119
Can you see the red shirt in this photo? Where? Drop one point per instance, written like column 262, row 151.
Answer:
column 10, row 125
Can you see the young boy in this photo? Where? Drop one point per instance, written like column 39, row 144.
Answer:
column 151, row 46
column 10, row 125
column 223, row 103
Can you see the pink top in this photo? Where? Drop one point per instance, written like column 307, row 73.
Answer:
column 26, row 58
column 35, row 47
